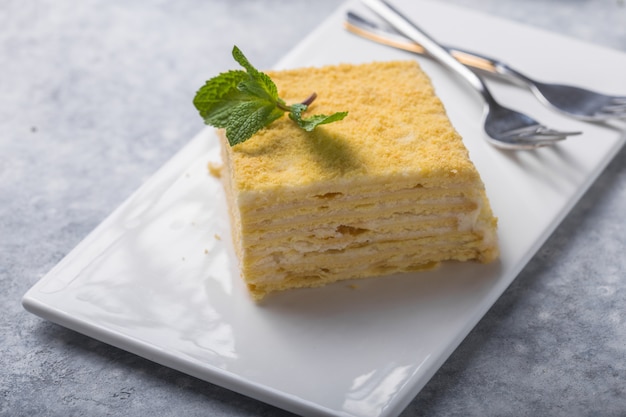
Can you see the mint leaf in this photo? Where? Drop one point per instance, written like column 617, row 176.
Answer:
column 312, row 122
column 247, row 118
column 244, row 102
column 212, row 95
column 259, row 83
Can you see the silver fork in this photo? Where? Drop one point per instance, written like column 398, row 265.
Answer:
column 572, row 101
column 505, row 128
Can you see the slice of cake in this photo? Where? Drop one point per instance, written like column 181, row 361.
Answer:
column 388, row 189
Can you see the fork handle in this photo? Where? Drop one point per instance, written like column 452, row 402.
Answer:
column 485, row 64
column 401, row 23
column 491, row 65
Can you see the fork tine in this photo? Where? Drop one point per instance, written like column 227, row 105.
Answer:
column 544, row 131
column 522, row 131
column 616, row 108
column 539, row 132
column 532, row 141
column 612, row 111
column 517, row 143
column 537, row 140
column 604, row 117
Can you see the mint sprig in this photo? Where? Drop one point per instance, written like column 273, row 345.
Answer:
column 244, row 102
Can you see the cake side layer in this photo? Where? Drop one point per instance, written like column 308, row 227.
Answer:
column 418, row 200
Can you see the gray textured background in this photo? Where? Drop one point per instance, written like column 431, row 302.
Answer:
column 95, row 96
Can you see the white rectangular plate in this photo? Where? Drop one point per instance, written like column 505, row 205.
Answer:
column 158, row 277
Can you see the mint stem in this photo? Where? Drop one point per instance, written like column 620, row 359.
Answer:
column 307, row 102
column 282, row 106
column 310, row 99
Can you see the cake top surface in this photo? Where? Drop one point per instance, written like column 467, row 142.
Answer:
column 396, row 128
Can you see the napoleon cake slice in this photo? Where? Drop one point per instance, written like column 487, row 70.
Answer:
column 388, row 189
